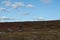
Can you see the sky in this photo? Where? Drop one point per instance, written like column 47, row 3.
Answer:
column 28, row 10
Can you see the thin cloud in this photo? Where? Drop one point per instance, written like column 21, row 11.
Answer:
column 3, row 9
column 17, row 5
column 46, row 1
column 5, row 18
column 26, row 13
column 14, row 6
column 7, row 3
column 30, row 6
column 39, row 19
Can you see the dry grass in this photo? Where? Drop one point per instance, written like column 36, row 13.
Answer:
column 47, row 35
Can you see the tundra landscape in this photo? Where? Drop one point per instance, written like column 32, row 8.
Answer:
column 30, row 30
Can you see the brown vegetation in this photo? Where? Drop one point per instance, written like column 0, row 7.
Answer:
column 29, row 26
column 30, row 36
column 35, row 30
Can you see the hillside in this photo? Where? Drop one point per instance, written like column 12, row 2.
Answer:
column 29, row 25
column 31, row 30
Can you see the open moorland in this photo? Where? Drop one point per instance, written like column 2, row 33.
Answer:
column 45, row 30
column 34, row 35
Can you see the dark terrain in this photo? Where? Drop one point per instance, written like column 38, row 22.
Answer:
column 32, row 30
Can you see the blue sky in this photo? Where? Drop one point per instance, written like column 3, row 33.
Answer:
column 22, row 10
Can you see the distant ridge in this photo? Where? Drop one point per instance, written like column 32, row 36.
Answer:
column 33, row 21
